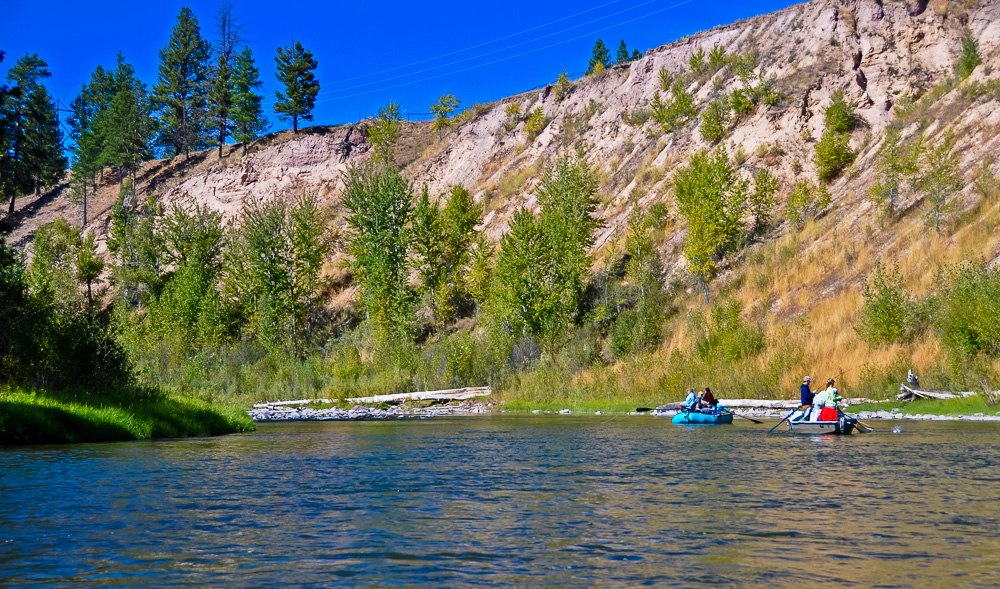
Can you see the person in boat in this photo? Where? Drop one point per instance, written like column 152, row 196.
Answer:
column 690, row 402
column 825, row 403
column 806, row 397
column 709, row 400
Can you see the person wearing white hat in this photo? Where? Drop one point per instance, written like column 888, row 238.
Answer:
column 807, row 395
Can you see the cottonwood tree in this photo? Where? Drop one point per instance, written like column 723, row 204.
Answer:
column 442, row 110
column 296, row 70
column 939, row 178
column 712, row 198
column 247, row 113
column 380, row 205
column 897, row 164
column 384, row 132
column 181, row 92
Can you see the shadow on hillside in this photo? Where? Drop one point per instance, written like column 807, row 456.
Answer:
column 11, row 222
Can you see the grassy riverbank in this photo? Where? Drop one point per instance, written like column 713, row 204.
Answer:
column 124, row 413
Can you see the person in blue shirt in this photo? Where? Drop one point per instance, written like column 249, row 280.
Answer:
column 690, row 402
column 806, row 399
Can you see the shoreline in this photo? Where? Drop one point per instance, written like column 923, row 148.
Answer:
column 277, row 413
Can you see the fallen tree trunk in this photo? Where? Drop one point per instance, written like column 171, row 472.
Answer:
column 909, row 394
column 442, row 395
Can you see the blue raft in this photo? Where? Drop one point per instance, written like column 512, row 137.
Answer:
column 707, row 417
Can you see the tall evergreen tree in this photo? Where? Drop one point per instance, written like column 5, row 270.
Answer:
column 222, row 89
column 93, row 99
column 181, row 92
column 622, row 56
column 33, row 152
column 600, row 58
column 296, row 70
column 125, row 126
column 247, row 114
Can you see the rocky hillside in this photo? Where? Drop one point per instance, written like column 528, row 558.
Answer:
column 892, row 61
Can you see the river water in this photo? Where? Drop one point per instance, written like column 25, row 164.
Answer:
column 509, row 501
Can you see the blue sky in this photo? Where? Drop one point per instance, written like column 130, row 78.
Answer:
column 369, row 52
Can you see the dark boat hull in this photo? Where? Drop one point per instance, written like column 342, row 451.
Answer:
column 842, row 426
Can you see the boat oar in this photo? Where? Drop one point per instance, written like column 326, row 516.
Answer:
column 783, row 420
column 643, row 409
column 738, row 415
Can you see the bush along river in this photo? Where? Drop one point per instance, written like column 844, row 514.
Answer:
column 500, row 500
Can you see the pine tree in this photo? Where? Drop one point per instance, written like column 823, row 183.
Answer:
column 296, row 70
column 600, row 58
column 93, row 98
column 221, row 99
column 622, row 56
column 222, row 90
column 33, row 150
column 247, row 114
column 125, row 126
column 181, row 93
column 636, row 55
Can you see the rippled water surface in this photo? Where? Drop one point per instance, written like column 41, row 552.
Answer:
column 508, row 500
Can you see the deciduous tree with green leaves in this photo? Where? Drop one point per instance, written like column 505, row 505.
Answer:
column 384, row 132
column 898, row 165
column 442, row 110
column 712, row 198
column 296, row 70
column 938, row 179
column 379, row 203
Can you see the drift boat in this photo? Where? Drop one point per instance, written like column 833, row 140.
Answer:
column 706, row 417
column 842, row 425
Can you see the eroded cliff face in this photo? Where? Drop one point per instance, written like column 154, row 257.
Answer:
column 876, row 52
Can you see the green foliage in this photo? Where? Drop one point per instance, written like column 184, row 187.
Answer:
column 442, row 110
column 380, row 204
column 247, row 114
column 969, row 58
column 88, row 264
column 697, row 62
column 761, row 200
column 512, row 116
column 537, row 284
column 678, row 110
column 968, row 310
column 712, row 198
column 272, row 267
column 535, row 123
column 563, row 86
column 897, row 164
column 888, row 315
column 136, row 247
column 622, row 57
column 296, row 70
column 717, row 58
column 729, row 338
column 839, row 116
column 30, row 136
column 181, row 92
column 600, row 58
column 805, row 201
column 125, row 127
column 715, row 120
column 833, row 154
column 384, row 132
column 938, row 179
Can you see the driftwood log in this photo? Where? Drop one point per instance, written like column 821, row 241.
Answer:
column 909, row 394
column 441, row 396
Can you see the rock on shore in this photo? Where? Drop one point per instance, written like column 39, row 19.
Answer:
column 363, row 413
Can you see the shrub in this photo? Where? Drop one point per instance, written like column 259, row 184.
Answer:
column 839, row 116
column 729, row 337
column 969, row 58
column 512, row 116
column 697, row 62
column 670, row 115
column 535, row 123
column 833, row 154
column 968, row 310
column 888, row 315
column 805, row 201
column 715, row 120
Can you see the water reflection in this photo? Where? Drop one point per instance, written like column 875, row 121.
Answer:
column 550, row 501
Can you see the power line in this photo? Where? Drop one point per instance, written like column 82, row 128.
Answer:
column 493, row 51
column 506, row 58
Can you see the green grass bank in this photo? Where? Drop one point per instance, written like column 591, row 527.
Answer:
column 42, row 416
